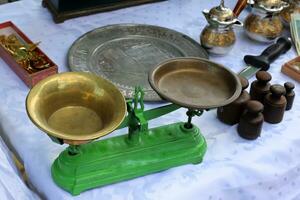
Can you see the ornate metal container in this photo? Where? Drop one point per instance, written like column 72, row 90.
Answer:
column 285, row 14
column 264, row 23
column 218, row 36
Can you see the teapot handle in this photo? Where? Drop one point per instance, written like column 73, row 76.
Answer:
column 239, row 7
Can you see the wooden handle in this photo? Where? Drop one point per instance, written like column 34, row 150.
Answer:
column 239, row 7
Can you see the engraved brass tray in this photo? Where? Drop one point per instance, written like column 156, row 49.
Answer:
column 125, row 53
column 195, row 83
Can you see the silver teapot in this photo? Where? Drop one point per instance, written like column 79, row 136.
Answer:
column 218, row 36
column 286, row 13
column 264, row 23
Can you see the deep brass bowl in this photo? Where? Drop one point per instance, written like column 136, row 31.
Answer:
column 76, row 106
column 195, row 83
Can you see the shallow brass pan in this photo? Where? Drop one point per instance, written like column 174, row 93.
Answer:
column 195, row 83
column 76, row 106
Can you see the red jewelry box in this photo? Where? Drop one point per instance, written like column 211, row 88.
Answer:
column 30, row 79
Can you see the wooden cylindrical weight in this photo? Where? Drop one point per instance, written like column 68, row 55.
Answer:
column 290, row 95
column 261, row 86
column 251, row 122
column 275, row 104
column 231, row 113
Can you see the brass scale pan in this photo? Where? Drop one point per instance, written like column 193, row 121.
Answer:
column 76, row 106
column 80, row 106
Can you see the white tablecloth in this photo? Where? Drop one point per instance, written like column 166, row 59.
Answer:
column 233, row 168
column 11, row 185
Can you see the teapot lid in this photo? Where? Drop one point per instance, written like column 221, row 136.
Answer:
column 292, row 1
column 271, row 5
column 222, row 13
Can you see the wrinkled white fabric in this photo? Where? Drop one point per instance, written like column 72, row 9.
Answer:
column 11, row 185
column 233, row 168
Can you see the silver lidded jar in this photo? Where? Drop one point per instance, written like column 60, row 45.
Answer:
column 286, row 13
column 218, row 36
column 264, row 24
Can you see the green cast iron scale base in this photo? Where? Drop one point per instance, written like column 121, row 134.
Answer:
column 141, row 152
column 113, row 160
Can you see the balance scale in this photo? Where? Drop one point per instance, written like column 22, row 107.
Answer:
column 78, row 107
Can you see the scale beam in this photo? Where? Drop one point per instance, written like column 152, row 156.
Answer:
column 153, row 113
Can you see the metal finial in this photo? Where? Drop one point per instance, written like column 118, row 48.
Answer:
column 222, row 3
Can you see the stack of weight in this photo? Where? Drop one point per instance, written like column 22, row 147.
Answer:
column 265, row 102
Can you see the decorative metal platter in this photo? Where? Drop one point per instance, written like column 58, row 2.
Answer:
column 125, row 53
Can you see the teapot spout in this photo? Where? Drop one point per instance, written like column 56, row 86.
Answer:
column 206, row 14
column 238, row 23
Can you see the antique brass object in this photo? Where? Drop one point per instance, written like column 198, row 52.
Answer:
column 218, row 36
column 24, row 54
column 264, row 23
column 76, row 106
column 195, row 83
